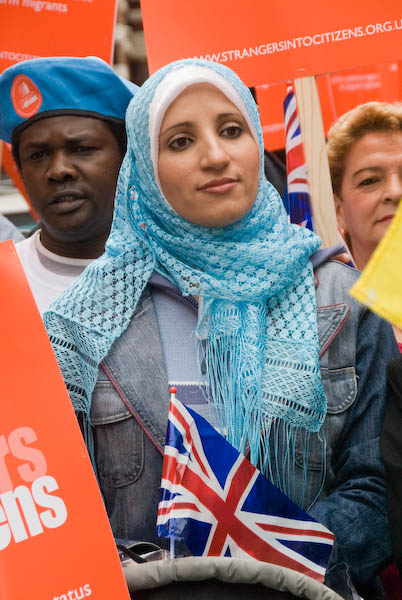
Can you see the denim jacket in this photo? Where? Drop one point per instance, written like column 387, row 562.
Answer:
column 130, row 407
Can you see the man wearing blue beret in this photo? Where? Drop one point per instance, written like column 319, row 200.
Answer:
column 64, row 117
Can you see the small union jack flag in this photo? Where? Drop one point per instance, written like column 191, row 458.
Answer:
column 299, row 208
column 219, row 504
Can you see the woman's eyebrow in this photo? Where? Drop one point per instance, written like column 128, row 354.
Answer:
column 219, row 117
column 368, row 168
column 176, row 125
column 228, row 115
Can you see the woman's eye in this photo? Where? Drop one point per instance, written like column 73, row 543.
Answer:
column 180, row 143
column 232, row 131
column 368, row 181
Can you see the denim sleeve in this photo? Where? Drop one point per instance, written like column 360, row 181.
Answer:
column 391, row 446
column 355, row 509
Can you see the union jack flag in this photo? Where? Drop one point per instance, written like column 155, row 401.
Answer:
column 299, row 208
column 219, row 504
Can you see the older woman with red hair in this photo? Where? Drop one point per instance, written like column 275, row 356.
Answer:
column 365, row 159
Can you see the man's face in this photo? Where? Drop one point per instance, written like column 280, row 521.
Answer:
column 70, row 165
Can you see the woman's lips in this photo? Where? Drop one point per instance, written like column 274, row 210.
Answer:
column 219, row 186
column 386, row 219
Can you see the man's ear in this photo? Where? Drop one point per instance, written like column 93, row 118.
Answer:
column 339, row 212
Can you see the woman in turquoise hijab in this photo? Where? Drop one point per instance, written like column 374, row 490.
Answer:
column 204, row 284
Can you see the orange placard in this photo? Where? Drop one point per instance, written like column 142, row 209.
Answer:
column 266, row 41
column 55, row 538
column 32, row 28
column 339, row 92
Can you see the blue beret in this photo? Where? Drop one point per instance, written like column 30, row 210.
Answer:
column 33, row 89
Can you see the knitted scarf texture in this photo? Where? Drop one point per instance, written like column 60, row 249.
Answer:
column 258, row 323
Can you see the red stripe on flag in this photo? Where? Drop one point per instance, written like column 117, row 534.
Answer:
column 228, row 524
column 292, row 118
column 178, row 506
column 183, row 422
column 289, row 530
column 295, row 158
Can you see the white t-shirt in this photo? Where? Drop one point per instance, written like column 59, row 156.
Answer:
column 48, row 274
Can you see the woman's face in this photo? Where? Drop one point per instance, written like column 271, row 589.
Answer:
column 209, row 162
column 370, row 192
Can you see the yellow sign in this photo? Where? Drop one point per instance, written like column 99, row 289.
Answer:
column 380, row 284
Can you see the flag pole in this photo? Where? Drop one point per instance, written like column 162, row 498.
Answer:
column 172, row 391
column 315, row 152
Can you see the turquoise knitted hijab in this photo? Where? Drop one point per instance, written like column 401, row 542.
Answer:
column 258, row 324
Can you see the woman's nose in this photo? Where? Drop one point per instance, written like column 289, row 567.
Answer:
column 214, row 154
column 61, row 167
column 393, row 190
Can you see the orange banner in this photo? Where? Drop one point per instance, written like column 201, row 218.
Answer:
column 339, row 92
column 266, row 42
column 55, row 539
column 32, row 28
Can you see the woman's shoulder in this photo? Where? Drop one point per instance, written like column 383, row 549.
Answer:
column 333, row 282
column 333, row 267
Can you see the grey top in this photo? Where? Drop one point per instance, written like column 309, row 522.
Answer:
column 8, row 231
